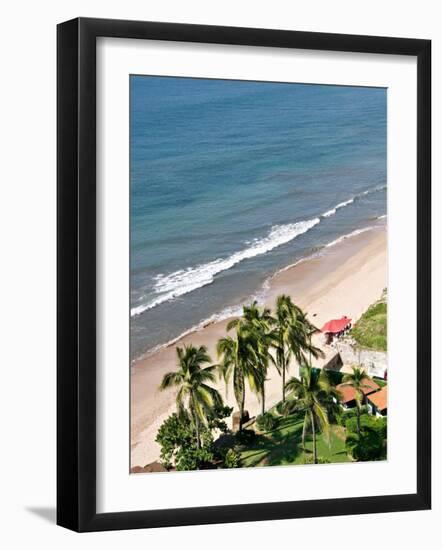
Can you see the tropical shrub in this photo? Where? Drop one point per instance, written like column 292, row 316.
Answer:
column 280, row 408
column 266, row 422
column 178, row 442
column 245, row 437
column 231, row 459
column 347, row 414
column 215, row 418
column 191, row 458
column 371, row 444
column 178, row 439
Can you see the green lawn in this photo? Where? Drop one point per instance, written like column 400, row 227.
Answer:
column 282, row 446
column 371, row 329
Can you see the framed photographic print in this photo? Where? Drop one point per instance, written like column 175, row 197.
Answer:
column 243, row 274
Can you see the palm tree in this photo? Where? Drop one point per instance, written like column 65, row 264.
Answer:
column 357, row 380
column 310, row 330
column 291, row 337
column 239, row 360
column 310, row 394
column 193, row 394
column 260, row 323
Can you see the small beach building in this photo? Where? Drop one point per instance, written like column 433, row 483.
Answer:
column 348, row 393
column 335, row 327
column 378, row 402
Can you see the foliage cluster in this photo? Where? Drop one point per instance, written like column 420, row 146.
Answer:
column 347, row 414
column 371, row 329
column 258, row 339
column 179, row 444
column 266, row 422
column 371, row 444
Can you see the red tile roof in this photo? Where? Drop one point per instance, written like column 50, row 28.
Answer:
column 336, row 325
column 348, row 393
column 379, row 399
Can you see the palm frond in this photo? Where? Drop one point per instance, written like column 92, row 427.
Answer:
column 171, row 379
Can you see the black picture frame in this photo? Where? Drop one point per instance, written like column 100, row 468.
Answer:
column 76, row 274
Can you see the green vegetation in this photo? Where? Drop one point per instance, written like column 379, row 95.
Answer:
column 371, row 444
column 179, row 446
column 292, row 336
column 266, row 422
column 283, row 445
column 259, row 322
column 231, row 459
column 195, row 399
column 307, row 426
column 371, row 329
column 358, row 381
column 311, row 394
column 351, row 413
column 240, row 360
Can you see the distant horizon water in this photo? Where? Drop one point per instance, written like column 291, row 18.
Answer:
column 232, row 181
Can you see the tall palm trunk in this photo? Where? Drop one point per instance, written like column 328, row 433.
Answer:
column 358, row 419
column 263, row 398
column 359, row 396
column 304, row 429
column 312, row 420
column 197, row 426
column 284, row 368
column 240, row 395
column 241, row 407
column 197, row 431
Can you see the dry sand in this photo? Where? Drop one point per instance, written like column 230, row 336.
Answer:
column 344, row 280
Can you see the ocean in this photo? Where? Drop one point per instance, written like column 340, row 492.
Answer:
column 231, row 181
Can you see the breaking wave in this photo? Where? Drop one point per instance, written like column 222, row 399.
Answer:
column 333, row 210
column 348, row 236
column 186, row 280
column 171, row 286
column 340, row 205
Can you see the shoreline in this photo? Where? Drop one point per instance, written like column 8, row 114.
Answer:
column 229, row 312
column 326, row 285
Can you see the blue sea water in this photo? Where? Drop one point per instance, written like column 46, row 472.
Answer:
column 231, row 181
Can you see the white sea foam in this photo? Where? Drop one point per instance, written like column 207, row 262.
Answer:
column 184, row 281
column 227, row 313
column 236, row 310
column 170, row 286
column 373, row 190
column 232, row 311
column 348, row 236
column 337, row 207
column 333, row 210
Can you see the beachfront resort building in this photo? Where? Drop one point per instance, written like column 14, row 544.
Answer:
column 378, row 402
column 348, row 393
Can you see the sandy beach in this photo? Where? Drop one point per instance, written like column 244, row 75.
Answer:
column 343, row 280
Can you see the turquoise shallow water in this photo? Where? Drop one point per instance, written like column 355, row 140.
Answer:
column 231, row 181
